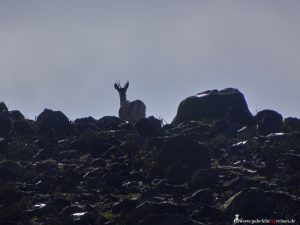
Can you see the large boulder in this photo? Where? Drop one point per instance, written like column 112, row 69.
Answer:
column 213, row 104
column 185, row 151
column 268, row 121
column 56, row 120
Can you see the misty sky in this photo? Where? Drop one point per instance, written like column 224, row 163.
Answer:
column 66, row 55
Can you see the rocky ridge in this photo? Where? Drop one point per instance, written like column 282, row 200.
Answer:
column 107, row 171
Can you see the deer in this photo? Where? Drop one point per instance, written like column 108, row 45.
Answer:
column 131, row 111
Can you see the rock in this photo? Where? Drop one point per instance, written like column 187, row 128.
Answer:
column 85, row 124
column 46, row 168
column 69, row 210
column 98, row 162
column 110, row 223
column 177, row 173
column 135, row 175
column 291, row 162
column 90, row 143
column 212, row 105
column 185, row 151
column 69, row 154
column 93, row 183
column 113, row 179
column 43, row 154
column 93, row 173
column 291, row 124
column 6, row 222
column 204, row 178
column 44, row 185
column 82, row 218
column 9, row 170
column 3, row 146
column 10, row 195
column 32, row 212
column 23, row 127
column 84, row 127
column 73, row 175
column 10, row 120
column 148, row 208
column 89, row 119
column 149, row 126
column 124, row 206
column 11, row 200
column 164, row 219
column 175, row 190
column 63, row 184
column 224, row 127
column 257, row 203
column 5, row 125
column 113, row 172
column 3, row 107
column 196, row 130
column 16, row 115
column 132, row 186
column 55, row 205
column 116, row 151
column 207, row 213
column 119, row 167
column 268, row 121
column 56, row 120
column 110, row 123
column 204, row 196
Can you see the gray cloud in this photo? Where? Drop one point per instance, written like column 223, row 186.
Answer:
column 67, row 54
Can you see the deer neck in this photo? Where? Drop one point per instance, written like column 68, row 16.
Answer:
column 123, row 99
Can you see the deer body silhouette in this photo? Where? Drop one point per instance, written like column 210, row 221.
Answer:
column 129, row 111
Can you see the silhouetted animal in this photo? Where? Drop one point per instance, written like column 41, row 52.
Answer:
column 129, row 111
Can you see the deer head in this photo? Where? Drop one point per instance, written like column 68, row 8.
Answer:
column 122, row 91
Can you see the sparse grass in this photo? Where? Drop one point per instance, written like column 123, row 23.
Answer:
column 220, row 141
column 130, row 196
column 109, row 215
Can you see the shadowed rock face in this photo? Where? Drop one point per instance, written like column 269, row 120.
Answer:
column 210, row 105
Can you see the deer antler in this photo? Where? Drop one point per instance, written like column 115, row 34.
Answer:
column 118, row 83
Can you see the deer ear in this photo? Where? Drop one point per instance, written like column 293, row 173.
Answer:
column 126, row 85
column 116, row 87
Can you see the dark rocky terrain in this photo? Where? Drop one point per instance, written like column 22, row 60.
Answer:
column 204, row 171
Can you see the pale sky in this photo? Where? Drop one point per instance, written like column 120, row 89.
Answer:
column 66, row 55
